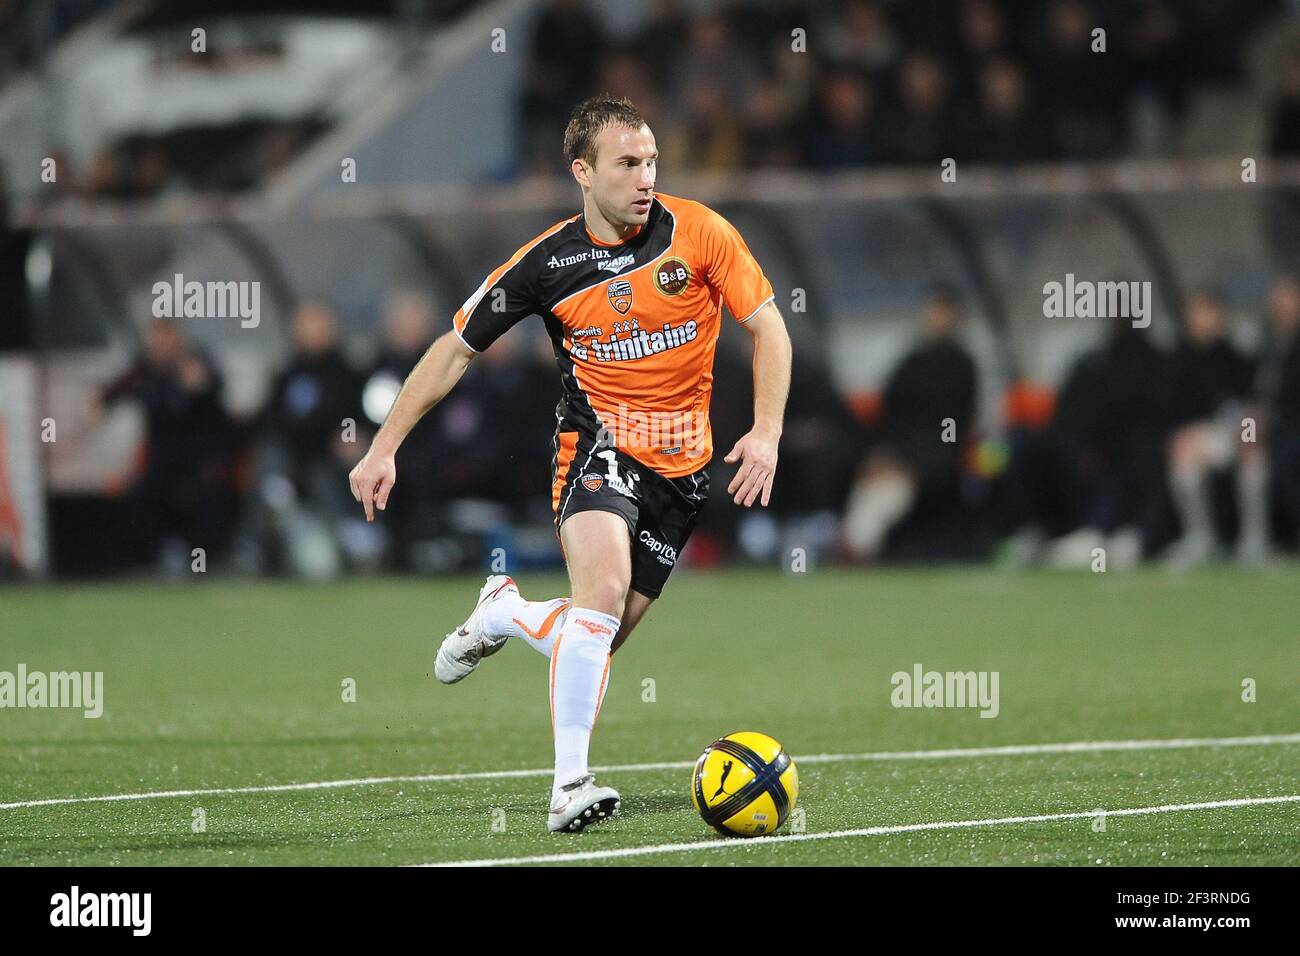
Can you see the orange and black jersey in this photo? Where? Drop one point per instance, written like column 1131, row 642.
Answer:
column 634, row 324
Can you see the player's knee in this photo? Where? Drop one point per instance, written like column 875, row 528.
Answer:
column 606, row 593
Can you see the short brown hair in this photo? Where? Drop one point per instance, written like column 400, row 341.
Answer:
column 592, row 116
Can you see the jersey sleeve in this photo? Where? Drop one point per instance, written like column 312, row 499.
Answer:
column 731, row 269
column 506, row 296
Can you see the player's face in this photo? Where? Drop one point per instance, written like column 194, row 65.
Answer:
column 623, row 182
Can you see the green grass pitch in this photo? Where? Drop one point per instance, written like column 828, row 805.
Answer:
column 228, row 684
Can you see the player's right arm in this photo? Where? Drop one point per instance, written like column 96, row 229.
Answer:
column 432, row 378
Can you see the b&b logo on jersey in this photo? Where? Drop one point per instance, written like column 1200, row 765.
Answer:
column 592, row 482
column 620, row 295
column 672, row 276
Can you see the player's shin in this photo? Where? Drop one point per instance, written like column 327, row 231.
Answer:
column 579, row 673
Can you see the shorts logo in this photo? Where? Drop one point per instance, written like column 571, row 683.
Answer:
column 672, row 276
column 620, row 295
column 665, row 553
column 592, row 482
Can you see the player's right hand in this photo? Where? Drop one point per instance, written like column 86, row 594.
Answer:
column 371, row 481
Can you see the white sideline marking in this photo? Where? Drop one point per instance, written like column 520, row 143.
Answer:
column 1012, row 750
column 723, row 843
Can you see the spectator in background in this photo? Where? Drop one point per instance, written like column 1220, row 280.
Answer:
column 711, row 138
column 312, row 396
column 1157, row 48
column 1004, row 126
column 626, row 72
column 659, row 42
column 770, row 128
column 310, row 433
column 1284, row 138
column 413, row 508
column 714, row 57
column 562, row 61
column 183, row 498
column 916, row 452
column 983, row 36
column 1081, row 91
column 839, row 133
column 862, row 39
column 1210, row 384
column 1279, row 388
column 1107, row 444
column 921, row 132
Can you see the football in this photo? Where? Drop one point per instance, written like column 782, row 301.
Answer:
column 745, row 784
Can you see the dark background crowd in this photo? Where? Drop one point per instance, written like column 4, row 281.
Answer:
column 882, row 82
column 896, row 82
column 1187, row 454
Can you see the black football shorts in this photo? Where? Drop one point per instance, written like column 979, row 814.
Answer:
column 660, row 512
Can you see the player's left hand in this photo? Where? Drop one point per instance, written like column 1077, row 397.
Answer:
column 756, row 451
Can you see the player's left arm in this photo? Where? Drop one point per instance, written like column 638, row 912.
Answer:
column 756, row 450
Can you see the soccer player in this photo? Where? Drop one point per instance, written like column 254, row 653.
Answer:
column 630, row 291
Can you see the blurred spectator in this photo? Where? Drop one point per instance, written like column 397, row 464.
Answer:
column 922, row 129
column 1210, row 384
column 770, row 128
column 658, row 41
column 711, row 137
column 839, row 132
column 183, row 497
column 626, row 73
column 1284, row 138
column 862, row 38
column 1004, row 126
column 566, row 42
column 1279, row 386
column 1081, row 91
column 414, row 504
column 984, row 36
column 713, row 57
column 1105, row 447
column 309, row 435
column 917, row 452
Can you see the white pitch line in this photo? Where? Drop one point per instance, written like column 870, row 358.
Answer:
column 1012, row 750
column 731, row 844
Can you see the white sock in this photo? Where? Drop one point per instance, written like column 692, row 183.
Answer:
column 1252, row 502
column 535, row 623
column 1191, row 494
column 579, row 673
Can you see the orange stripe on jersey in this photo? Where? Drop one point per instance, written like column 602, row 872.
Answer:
column 568, row 448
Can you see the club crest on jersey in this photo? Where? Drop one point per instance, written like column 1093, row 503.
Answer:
column 672, row 276
column 592, row 482
column 620, row 295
